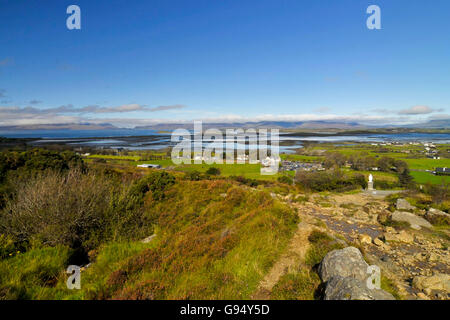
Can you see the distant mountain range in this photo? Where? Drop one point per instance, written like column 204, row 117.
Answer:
column 433, row 124
column 63, row 126
column 337, row 125
column 330, row 125
column 261, row 124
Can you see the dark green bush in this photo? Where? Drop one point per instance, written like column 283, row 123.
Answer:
column 194, row 176
column 333, row 180
column 213, row 171
column 156, row 182
column 285, row 179
column 38, row 160
column 247, row 181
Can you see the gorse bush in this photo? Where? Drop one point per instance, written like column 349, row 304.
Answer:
column 194, row 176
column 156, row 182
column 58, row 208
column 333, row 180
column 127, row 219
column 247, row 181
column 80, row 209
column 285, row 179
column 213, row 171
column 16, row 167
column 38, row 160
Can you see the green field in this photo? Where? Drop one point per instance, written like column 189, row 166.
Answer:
column 250, row 171
column 425, row 177
column 299, row 157
column 411, row 154
column 114, row 157
column 427, row 163
column 377, row 175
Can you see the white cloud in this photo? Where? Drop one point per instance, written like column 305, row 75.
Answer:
column 416, row 110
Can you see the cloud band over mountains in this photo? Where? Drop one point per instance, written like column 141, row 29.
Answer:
column 88, row 109
column 30, row 115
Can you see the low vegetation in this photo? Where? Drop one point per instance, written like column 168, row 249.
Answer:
column 215, row 238
column 216, row 229
column 334, row 180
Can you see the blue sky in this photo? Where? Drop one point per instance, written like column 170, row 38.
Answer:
column 136, row 62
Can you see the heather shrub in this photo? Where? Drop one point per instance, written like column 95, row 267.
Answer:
column 57, row 208
column 333, row 180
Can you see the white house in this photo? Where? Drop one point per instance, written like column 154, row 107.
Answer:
column 147, row 165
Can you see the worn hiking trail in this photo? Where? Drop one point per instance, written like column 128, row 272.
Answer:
column 291, row 259
column 353, row 219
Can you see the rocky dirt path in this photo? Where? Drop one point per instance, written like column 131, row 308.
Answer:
column 353, row 217
column 414, row 255
column 294, row 255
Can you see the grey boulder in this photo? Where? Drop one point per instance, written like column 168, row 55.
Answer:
column 437, row 216
column 347, row 262
column 411, row 218
column 402, row 204
column 340, row 288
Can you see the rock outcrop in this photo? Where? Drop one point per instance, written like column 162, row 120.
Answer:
column 416, row 222
column 402, row 204
column 345, row 275
column 340, row 288
column 347, row 262
column 437, row 282
column 437, row 216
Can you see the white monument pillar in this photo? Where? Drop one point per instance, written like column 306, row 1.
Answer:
column 370, row 184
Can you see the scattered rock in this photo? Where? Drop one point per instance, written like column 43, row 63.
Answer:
column 390, row 230
column 433, row 257
column 422, row 296
column 437, row 216
column 439, row 282
column 365, row 239
column 402, row 236
column 402, row 204
column 148, row 239
column 384, row 216
column 378, row 242
column 412, row 219
column 347, row 262
column 340, row 288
